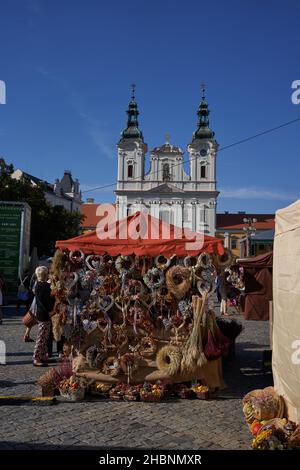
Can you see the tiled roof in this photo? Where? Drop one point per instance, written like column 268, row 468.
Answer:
column 91, row 219
column 235, row 221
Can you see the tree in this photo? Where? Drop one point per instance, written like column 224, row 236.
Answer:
column 48, row 223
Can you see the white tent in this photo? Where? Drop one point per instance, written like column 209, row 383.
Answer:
column 286, row 296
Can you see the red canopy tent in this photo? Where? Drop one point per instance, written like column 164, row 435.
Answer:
column 142, row 235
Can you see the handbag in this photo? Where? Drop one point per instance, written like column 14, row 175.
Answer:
column 211, row 350
column 29, row 319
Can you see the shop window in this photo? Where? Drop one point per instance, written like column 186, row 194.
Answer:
column 233, row 243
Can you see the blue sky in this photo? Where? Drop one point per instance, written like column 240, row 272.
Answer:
column 68, row 66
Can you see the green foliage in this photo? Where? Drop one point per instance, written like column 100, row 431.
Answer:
column 48, row 223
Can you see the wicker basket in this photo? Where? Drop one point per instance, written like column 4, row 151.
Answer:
column 186, row 394
column 150, row 398
column 202, row 395
column 131, row 397
column 76, row 395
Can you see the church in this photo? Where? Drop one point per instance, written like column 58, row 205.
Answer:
column 166, row 191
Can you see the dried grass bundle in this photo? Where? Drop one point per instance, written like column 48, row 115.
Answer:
column 192, row 352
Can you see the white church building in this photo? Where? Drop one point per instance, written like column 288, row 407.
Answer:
column 166, row 191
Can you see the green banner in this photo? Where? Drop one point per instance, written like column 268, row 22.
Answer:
column 10, row 231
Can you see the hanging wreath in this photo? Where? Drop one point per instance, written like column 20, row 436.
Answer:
column 70, row 280
column 178, row 281
column 191, row 261
column 112, row 366
column 205, row 287
column 168, row 360
column 226, row 259
column 147, row 347
column 124, row 264
column 76, row 257
column 161, row 262
column 93, row 262
column 204, row 260
column 208, row 273
column 154, row 278
column 133, row 289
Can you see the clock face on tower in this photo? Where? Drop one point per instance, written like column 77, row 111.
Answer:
column 203, row 152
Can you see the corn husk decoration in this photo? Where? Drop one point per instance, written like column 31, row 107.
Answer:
column 192, row 353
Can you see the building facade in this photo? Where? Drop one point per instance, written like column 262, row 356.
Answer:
column 64, row 192
column 166, row 191
column 230, row 227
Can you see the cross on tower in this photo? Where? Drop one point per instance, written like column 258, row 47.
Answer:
column 133, row 86
column 167, row 137
column 203, row 88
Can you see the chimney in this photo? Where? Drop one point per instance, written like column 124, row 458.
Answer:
column 90, row 200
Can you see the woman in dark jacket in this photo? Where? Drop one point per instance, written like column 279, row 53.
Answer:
column 44, row 306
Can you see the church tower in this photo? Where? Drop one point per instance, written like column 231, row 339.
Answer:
column 131, row 156
column 166, row 191
column 202, row 157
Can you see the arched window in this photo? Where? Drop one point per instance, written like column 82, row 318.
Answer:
column 130, row 171
column 203, row 171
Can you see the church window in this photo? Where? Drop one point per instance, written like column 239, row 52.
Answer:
column 203, row 215
column 130, row 171
column 203, row 171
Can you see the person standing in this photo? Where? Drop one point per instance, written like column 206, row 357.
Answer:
column 44, row 306
column 23, row 292
column 223, row 291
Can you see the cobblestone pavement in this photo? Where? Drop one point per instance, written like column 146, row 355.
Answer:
column 178, row 424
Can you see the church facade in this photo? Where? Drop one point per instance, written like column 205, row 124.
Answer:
column 167, row 191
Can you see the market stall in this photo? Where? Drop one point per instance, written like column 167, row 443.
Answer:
column 258, row 286
column 273, row 414
column 135, row 306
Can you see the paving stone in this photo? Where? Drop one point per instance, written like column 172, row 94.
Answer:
column 180, row 424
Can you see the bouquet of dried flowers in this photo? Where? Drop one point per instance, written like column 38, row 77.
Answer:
column 132, row 393
column 100, row 389
column 183, row 391
column 118, row 392
column 151, row 392
column 72, row 388
column 201, row 391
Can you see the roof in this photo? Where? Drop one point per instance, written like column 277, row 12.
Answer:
column 264, row 260
column 167, row 148
column 143, row 235
column 165, row 188
column 264, row 235
column 235, row 221
column 91, row 218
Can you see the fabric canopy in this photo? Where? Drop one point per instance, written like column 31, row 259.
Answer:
column 286, row 326
column 142, row 235
column 258, row 286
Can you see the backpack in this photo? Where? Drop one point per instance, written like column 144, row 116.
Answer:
column 23, row 292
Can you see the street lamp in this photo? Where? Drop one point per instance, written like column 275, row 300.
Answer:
column 250, row 230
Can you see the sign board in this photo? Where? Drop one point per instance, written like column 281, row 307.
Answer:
column 14, row 242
